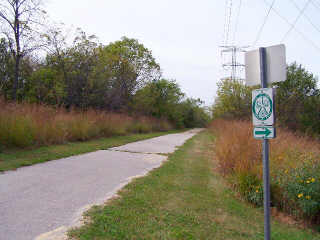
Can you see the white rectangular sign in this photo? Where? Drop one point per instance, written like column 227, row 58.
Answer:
column 263, row 107
column 275, row 64
column 264, row 132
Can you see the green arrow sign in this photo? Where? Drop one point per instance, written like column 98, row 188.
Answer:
column 264, row 132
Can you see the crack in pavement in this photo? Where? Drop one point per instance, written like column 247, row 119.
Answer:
column 128, row 151
column 44, row 200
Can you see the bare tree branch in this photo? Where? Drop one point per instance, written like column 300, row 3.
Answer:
column 6, row 19
column 23, row 35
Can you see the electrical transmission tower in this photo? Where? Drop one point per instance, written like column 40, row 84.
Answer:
column 231, row 60
column 231, row 54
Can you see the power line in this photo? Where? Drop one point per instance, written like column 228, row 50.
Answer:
column 309, row 20
column 228, row 13
column 223, row 57
column 296, row 20
column 315, row 4
column 228, row 21
column 290, row 24
column 263, row 24
column 237, row 22
column 225, row 22
column 231, row 51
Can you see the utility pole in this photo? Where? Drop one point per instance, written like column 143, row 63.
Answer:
column 232, row 63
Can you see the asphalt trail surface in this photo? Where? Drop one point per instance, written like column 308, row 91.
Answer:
column 44, row 200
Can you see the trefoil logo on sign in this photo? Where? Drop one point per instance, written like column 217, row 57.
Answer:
column 262, row 107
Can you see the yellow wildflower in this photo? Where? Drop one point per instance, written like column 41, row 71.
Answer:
column 257, row 191
column 308, row 197
column 308, row 181
column 313, row 179
column 300, row 195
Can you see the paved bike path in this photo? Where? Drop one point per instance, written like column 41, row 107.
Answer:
column 43, row 200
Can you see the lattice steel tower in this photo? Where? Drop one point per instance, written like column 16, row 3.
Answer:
column 231, row 60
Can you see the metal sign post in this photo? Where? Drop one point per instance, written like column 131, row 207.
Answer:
column 265, row 65
column 265, row 153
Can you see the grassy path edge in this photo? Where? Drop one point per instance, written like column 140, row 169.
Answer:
column 183, row 199
column 15, row 158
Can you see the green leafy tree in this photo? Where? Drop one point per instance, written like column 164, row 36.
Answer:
column 130, row 65
column 73, row 67
column 43, row 86
column 164, row 99
column 160, row 99
column 233, row 100
column 298, row 100
column 6, row 68
column 194, row 115
column 82, row 58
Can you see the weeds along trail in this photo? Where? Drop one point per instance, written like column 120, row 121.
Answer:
column 294, row 164
column 23, row 125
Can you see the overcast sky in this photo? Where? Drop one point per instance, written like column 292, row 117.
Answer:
column 185, row 35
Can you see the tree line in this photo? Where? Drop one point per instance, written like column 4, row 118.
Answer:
column 297, row 100
column 37, row 65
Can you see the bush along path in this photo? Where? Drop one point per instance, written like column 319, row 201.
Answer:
column 184, row 199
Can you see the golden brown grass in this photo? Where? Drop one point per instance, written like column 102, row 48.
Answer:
column 237, row 150
column 294, row 164
column 23, row 125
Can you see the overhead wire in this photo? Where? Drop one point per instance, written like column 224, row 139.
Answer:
column 225, row 22
column 237, row 22
column 315, row 5
column 228, row 13
column 290, row 24
column 235, row 29
column 224, row 38
column 306, row 16
column 228, row 22
column 296, row 20
column 263, row 24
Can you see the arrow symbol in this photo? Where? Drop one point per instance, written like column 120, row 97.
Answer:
column 266, row 132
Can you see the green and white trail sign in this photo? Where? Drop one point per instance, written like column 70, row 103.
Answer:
column 263, row 107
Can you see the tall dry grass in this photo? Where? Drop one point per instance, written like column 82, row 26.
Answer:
column 294, row 165
column 235, row 149
column 23, row 125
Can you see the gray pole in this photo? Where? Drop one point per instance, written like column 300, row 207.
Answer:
column 265, row 154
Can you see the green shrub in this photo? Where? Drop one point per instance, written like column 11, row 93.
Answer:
column 140, row 127
column 250, row 187
column 162, row 126
column 17, row 131
column 301, row 186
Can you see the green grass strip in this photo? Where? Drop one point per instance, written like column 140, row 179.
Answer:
column 15, row 158
column 184, row 199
